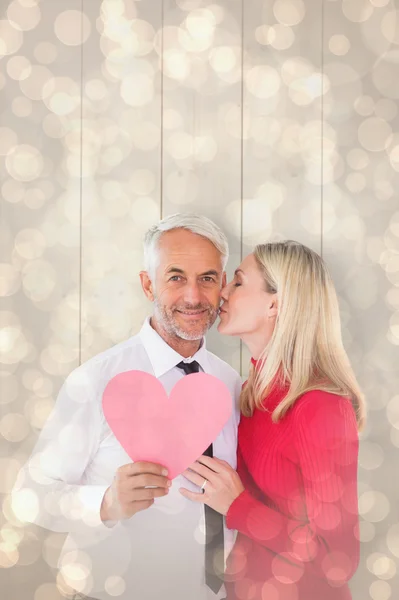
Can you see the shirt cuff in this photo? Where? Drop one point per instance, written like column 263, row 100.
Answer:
column 90, row 498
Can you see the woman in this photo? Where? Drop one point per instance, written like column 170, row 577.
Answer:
column 294, row 497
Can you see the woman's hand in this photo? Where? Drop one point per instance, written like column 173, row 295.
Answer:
column 222, row 487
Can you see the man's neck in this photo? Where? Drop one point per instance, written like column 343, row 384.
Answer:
column 185, row 348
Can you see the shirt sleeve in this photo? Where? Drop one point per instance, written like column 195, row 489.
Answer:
column 325, row 542
column 50, row 489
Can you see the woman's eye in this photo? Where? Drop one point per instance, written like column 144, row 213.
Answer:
column 237, row 284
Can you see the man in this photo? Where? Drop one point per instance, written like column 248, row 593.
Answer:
column 132, row 535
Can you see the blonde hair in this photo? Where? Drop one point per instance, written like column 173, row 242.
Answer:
column 305, row 351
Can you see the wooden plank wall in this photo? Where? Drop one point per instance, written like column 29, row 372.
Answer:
column 276, row 119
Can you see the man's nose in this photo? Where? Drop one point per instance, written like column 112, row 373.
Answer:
column 192, row 293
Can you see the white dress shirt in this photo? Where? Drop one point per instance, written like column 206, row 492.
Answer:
column 159, row 553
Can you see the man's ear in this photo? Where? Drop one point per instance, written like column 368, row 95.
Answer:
column 146, row 284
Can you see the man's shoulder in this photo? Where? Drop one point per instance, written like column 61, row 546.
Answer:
column 114, row 354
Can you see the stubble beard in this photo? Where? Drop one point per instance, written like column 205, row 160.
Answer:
column 166, row 318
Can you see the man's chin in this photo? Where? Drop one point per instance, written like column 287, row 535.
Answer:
column 192, row 329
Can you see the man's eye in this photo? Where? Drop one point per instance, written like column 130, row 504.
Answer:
column 174, row 278
column 209, row 278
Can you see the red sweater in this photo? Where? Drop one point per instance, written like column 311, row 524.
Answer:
column 297, row 519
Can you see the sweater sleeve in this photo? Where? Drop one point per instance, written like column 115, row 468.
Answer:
column 325, row 543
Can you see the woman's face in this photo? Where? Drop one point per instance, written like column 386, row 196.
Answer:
column 248, row 310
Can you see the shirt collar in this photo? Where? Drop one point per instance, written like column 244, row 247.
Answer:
column 163, row 357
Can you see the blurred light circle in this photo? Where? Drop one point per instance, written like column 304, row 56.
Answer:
column 176, row 64
column 22, row 107
column 339, row 44
column 24, row 163
column 366, row 531
column 96, row 89
column 61, row 95
column 137, row 89
column 384, row 74
column 10, row 38
column 38, row 279
column 281, row 37
column 8, row 555
column 289, row 12
column 72, row 27
column 371, row 455
column 357, row 11
column 393, row 539
column 30, row 243
column 142, row 34
column 380, row 590
column 32, row 86
column 14, row 427
column 364, row 105
column 45, row 52
column 390, row 26
column 374, row 134
column 19, row 67
column 180, row 145
column 115, row 585
column 263, row 81
column 201, row 26
column 357, row 159
column 47, row 591
column 223, row 59
column 54, row 126
column 205, row 148
column 29, row 549
column 394, row 158
column 355, row 182
column 145, row 212
column 145, row 136
column 373, row 506
column 393, row 411
column 142, row 182
column 23, row 17
column 9, row 279
column 385, row 108
column 381, row 565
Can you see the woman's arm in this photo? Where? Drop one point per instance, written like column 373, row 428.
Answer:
column 325, row 435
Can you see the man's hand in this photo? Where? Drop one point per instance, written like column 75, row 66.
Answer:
column 130, row 491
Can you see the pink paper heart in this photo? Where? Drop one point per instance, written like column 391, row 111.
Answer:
column 172, row 431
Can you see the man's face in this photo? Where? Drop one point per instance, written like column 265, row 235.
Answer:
column 188, row 281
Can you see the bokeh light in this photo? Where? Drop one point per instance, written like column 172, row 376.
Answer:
column 114, row 118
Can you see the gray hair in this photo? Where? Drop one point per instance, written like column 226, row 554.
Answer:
column 196, row 224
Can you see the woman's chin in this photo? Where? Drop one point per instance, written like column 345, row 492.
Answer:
column 224, row 329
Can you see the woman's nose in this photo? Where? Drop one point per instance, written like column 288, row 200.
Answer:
column 224, row 292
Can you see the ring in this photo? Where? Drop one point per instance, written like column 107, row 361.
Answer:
column 204, row 484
